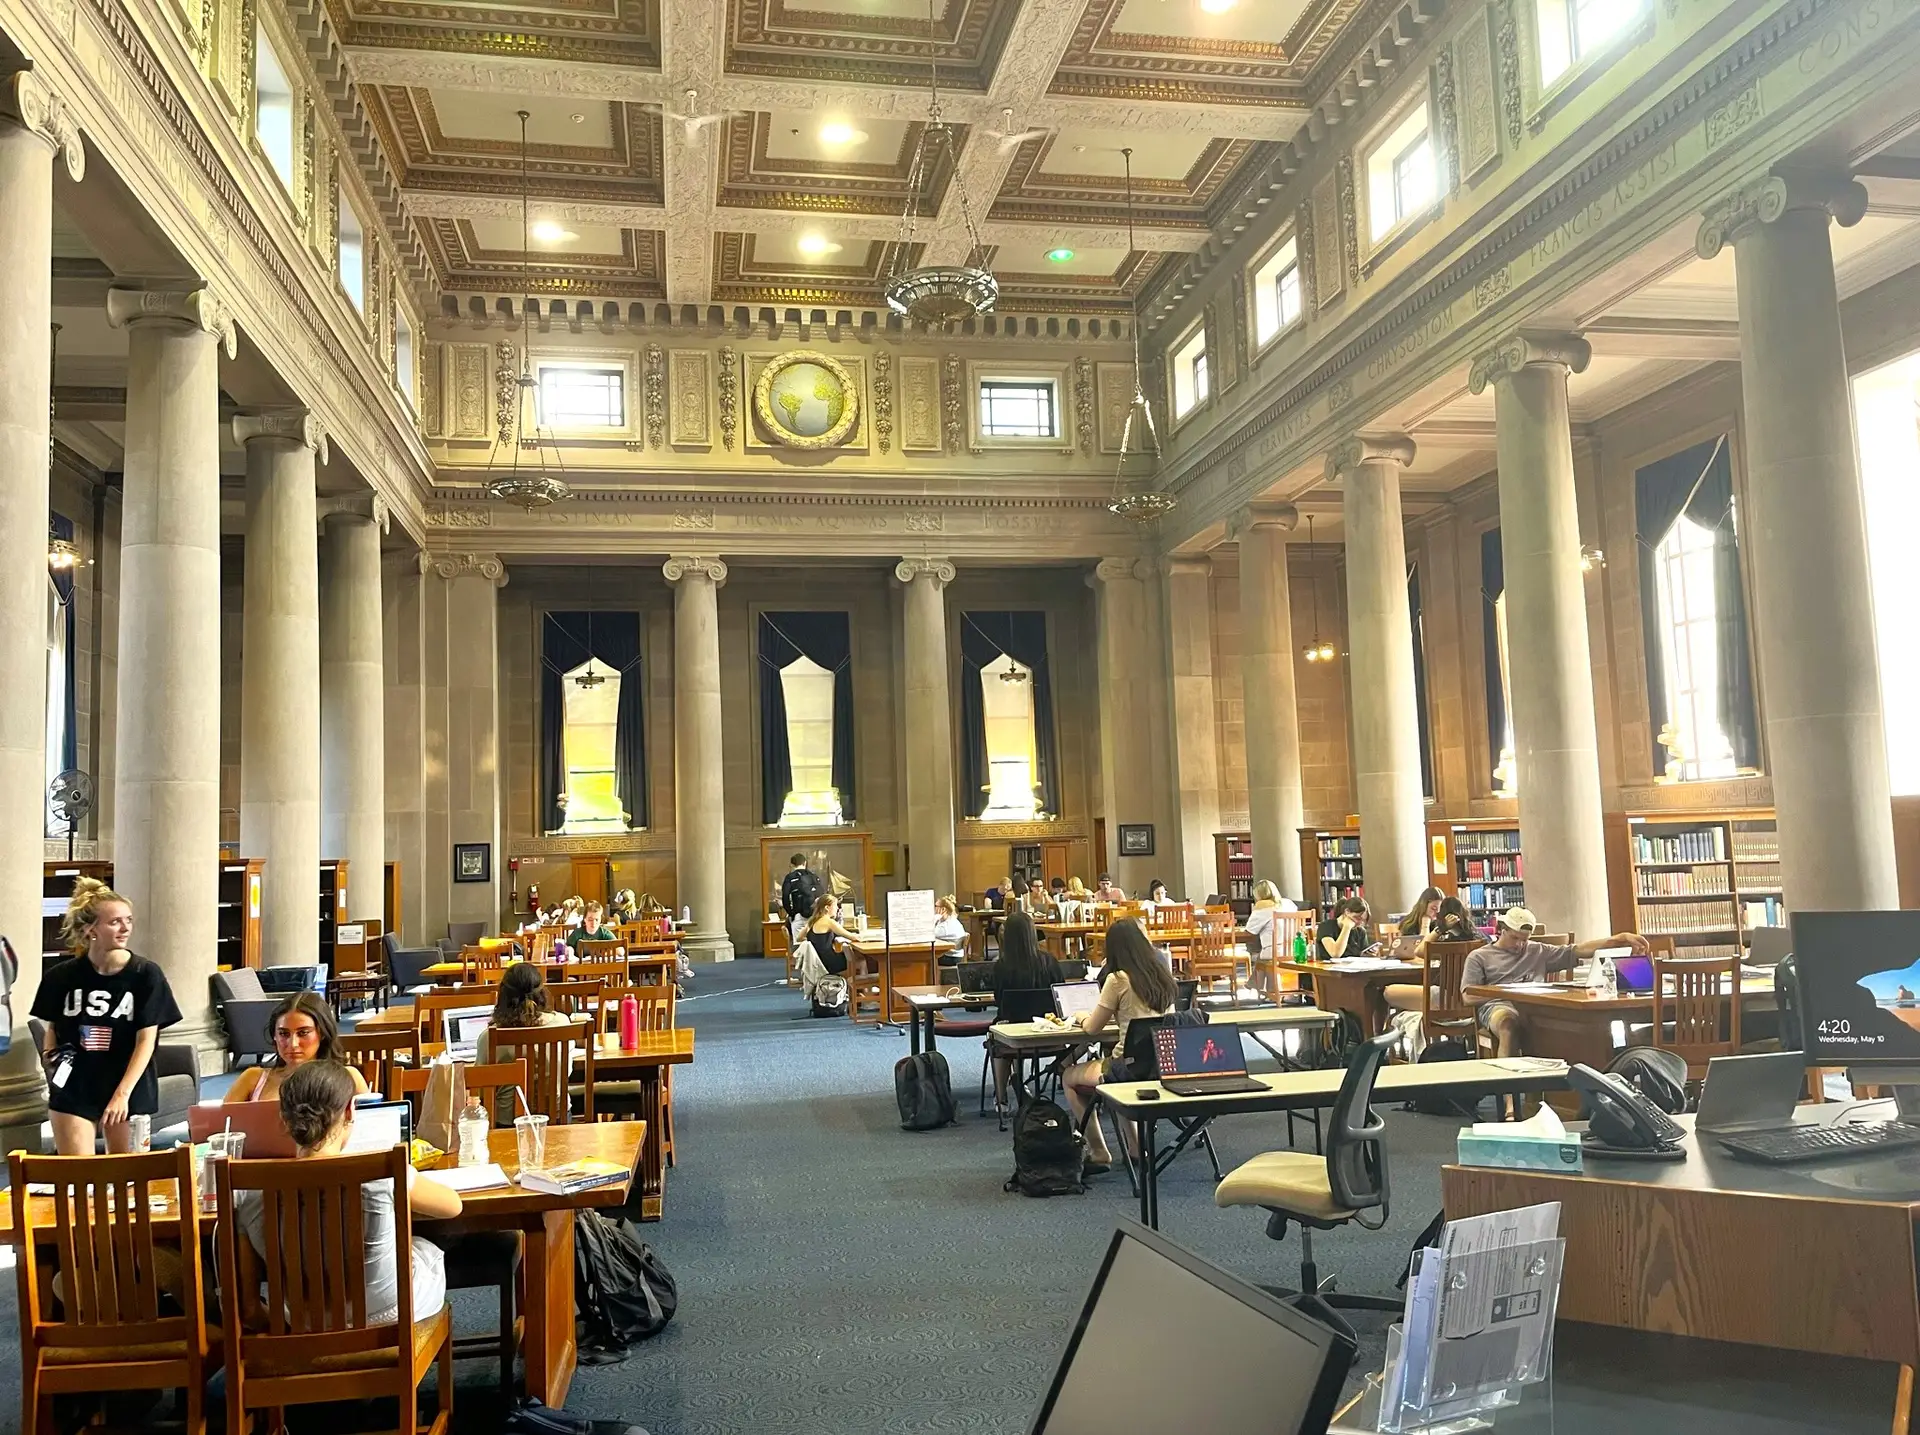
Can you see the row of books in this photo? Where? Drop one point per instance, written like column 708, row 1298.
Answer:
column 1758, row 876
column 1709, row 844
column 1482, row 897
column 1680, row 917
column 1756, row 846
column 1471, row 844
column 1339, row 871
column 1764, row 912
column 1492, row 869
column 1701, row 881
column 1339, row 846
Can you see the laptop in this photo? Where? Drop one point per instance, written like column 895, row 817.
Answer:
column 976, row 977
column 1751, row 1093
column 380, row 1126
column 1770, row 944
column 1269, row 1369
column 461, row 1028
column 1202, row 1061
column 1634, row 974
column 1074, row 1000
column 377, row 1125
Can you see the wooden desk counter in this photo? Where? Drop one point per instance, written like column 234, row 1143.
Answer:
column 1567, row 1021
column 1354, row 989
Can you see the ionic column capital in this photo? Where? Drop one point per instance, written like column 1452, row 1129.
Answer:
column 31, row 103
column 198, row 308
column 1115, row 570
column 1188, row 565
column 1364, row 449
column 940, row 571
column 683, row 565
column 296, row 426
column 1528, row 347
column 1263, row 513
column 1776, row 193
column 471, row 565
column 368, row 506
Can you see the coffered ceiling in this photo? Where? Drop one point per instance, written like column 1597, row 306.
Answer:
column 761, row 151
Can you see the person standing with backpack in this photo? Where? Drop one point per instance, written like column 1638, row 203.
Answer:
column 799, row 890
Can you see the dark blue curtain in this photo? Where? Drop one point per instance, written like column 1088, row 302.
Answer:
column 1022, row 637
column 1697, row 482
column 1420, row 682
column 1493, row 582
column 62, row 528
column 785, row 638
column 566, row 641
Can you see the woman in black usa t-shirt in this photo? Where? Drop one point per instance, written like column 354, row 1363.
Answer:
column 104, row 1008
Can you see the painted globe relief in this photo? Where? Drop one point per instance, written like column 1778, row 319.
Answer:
column 806, row 400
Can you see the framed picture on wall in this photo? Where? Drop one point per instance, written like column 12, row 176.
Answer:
column 472, row 862
column 1136, row 839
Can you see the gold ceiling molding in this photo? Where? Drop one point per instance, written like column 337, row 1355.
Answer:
column 752, row 179
column 607, row 32
column 464, row 264
column 769, row 37
column 1032, row 194
column 739, row 277
column 1066, row 292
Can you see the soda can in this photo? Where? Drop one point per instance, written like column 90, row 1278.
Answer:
column 140, row 1130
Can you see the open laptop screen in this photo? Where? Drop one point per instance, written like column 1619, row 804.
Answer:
column 1074, row 1000
column 463, row 1025
column 1199, row 1051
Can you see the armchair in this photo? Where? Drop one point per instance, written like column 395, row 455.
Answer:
column 406, row 966
column 245, row 1008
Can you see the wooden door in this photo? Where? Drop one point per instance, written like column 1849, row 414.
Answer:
column 590, row 878
column 1101, row 862
column 1055, row 860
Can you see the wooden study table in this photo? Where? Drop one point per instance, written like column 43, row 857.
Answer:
column 1342, row 986
column 1565, row 1020
column 545, row 1221
column 894, row 970
column 642, row 960
column 1816, row 1256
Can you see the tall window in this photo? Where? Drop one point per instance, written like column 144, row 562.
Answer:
column 579, row 396
column 272, row 106
column 1400, row 174
column 1190, row 373
column 403, row 373
column 1886, row 406
column 811, row 800
column 1571, row 30
column 1276, row 292
column 592, row 711
column 1009, row 754
column 806, row 718
column 1499, row 684
column 1006, row 700
column 353, row 252
column 1689, row 632
column 593, row 756
column 1018, row 408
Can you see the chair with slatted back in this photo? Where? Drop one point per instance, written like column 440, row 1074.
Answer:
column 312, row 1338
column 483, row 963
column 549, row 1053
column 658, row 1005
column 1169, row 917
column 430, row 1008
column 131, row 1310
column 647, row 929
column 599, row 951
column 377, row 1054
column 607, row 972
column 1210, row 955
column 539, row 946
column 623, row 1100
column 1696, row 1009
column 1443, row 1010
column 574, row 996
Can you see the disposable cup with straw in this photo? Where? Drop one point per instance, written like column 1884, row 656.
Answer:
column 530, row 1134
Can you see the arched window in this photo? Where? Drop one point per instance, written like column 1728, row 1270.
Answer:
column 811, row 799
column 1006, row 703
column 593, row 759
column 591, row 798
column 806, row 719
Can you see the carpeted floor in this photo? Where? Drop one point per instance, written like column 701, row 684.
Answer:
column 840, row 1275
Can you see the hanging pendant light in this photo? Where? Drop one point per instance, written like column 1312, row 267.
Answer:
column 1141, row 505
column 530, row 488
column 937, row 294
column 1318, row 649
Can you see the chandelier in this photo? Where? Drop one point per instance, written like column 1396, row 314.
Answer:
column 1318, row 649
column 1143, row 506
column 530, row 488
column 937, row 294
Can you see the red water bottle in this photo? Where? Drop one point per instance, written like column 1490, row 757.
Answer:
column 629, row 1022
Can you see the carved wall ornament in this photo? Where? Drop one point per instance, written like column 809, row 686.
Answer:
column 952, row 403
column 1113, row 395
column 469, row 390
column 691, row 425
column 287, row 425
column 200, row 308
column 883, row 398
column 729, row 387
column 1529, row 347
column 1507, row 42
column 1083, row 402
column 919, row 405
column 433, row 403
column 1447, row 129
column 1735, row 115
column 303, row 201
column 693, row 520
column 1351, row 454
column 506, row 390
column 1303, row 254
column 443, row 516
column 1349, row 220
column 928, row 521
column 1764, row 200
column 1339, row 394
column 1477, row 105
column 806, row 400
column 683, row 565
column 471, row 565
column 1329, row 270
column 654, row 395
column 1491, row 288
column 940, row 570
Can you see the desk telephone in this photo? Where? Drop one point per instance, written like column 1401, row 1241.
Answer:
column 1621, row 1122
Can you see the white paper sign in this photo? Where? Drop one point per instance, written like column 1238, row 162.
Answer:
column 351, row 934
column 909, row 919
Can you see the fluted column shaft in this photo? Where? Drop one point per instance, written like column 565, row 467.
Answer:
column 279, row 676
column 1276, row 806
column 1196, row 743
column 1126, row 721
column 353, row 774
column 929, row 724
column 1386, row 718
column 167, row 786
column 699, row 784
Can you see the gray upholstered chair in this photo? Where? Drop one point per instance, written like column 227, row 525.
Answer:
column 245, row 1008
column 406, row 966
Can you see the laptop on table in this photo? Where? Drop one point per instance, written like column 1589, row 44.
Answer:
column 1757, row 1092
column 1074, row 1000
column 461, row 1028
column 1202, row 1061
column 975, row 977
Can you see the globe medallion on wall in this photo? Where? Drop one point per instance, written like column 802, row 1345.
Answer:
column 806, row 400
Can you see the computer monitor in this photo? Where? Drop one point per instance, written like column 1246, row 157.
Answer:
column 1769, row 945
column 1154, row 1307
column 1859, row 978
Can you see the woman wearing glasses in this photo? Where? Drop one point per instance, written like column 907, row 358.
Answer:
column 303, row 1030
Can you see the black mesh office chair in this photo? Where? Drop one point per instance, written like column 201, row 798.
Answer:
column 1324, row 1193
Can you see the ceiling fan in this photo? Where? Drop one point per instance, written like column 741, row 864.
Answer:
column 691, row 120
column 1007, row 139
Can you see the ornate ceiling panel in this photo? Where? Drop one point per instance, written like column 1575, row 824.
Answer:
column 779, row 161
column 589, row 261
column 1092, row 280
column 598, row 32
column 773, row 269
column 1079, row 175
column 876, row 42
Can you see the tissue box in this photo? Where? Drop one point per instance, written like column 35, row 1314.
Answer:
column 1520, row 1152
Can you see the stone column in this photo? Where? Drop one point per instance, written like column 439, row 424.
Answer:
column 34, row 127
column 1126, row 747
column 1386, row 722
column 1549, row 660
column 353, row 778
column 699, row 812
column 1196, row 745
column 279, row 676
column 167, row 787
column 403, row 610
column 1819, row 669
column 1276, row 807
column 466, row 613
column 929, row 725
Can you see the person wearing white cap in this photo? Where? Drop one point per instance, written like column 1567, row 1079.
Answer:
column 1513, row 956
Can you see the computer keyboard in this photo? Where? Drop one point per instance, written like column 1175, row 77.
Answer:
column 1817, row 1143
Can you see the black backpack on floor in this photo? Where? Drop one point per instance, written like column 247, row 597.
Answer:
column 622, row 1291
column 1049, row 1156
column 1443, row 1048
column 924, row 1090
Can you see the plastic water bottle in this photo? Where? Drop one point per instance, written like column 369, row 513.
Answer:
column 1300, row 946
column 473, row 1132
column 629, row 1022
column 1602, row 980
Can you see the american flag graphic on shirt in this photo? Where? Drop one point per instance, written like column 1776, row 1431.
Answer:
column 95, row 1038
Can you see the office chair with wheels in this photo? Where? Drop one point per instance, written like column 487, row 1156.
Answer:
column 1324, row 1193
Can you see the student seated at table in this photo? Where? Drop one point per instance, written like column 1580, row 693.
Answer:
column 1260, row 924
column 1136, row 983
column 1347, row 931
column 1157, row 893
column 1022, row 966
column 1107, row 891
column 520, row 1000
column 1413, row 927
column 1514, row 957
column 303, row 1030
column 1000, row 897
column 316, row 1102
column 592, row 928
column 947, row 926
column 824, row 933
column 1451, row 923
column 1037, row 904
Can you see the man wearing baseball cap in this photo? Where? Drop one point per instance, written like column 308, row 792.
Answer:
column 1513, row 956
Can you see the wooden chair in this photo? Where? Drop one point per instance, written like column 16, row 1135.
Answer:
column 620, row 1099
column 652, row 970
column 483, row 963
column 430, row 1008
column 110, row 1333
column 548, row 1053
column 1210, row 954
column 657, row 1006
column 1554, row 939
column 487, row 1080
column 1699, row 1018
column 574, row 996
column 1169, row 917
column 605, row 972
column 646, row 929
column 1443, row 1010
column 376, row 1054
column 599, row 951
column 313, row 1338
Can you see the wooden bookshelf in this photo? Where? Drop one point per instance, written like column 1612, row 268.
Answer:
column 1481, row 862
column 1706, row 879
column 1233, row 870
column 238, row 941
column 56, row 891
column 333, row 906
column 1330, row 858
